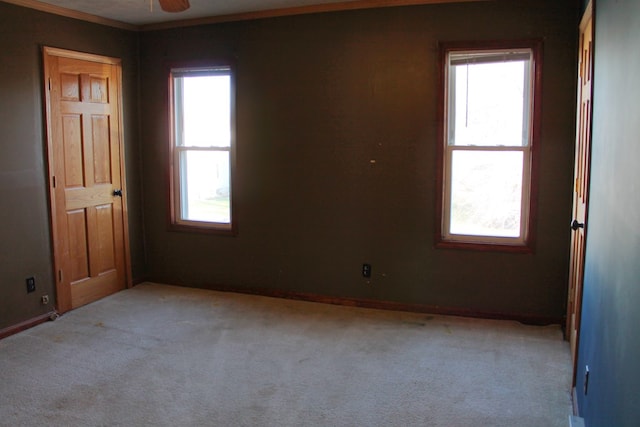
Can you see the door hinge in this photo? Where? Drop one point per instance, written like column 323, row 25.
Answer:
column 49, row 83
column 53, row 181
column 60, row 276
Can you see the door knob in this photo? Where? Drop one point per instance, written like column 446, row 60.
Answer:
column 117, row 192
column 575, row 225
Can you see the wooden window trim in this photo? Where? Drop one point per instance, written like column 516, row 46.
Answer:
column 537, row 55
column 171, row 185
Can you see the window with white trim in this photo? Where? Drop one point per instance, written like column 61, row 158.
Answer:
column 202, row 147
column 488, row 140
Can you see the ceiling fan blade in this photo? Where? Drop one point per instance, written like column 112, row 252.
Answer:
column 174, row 5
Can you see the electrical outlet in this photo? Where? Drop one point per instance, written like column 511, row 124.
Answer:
column 31, row 284
column 586, row 379
column 45, row 299
column 366, row 270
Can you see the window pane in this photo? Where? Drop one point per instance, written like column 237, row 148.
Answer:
column 205, row 190
column 486, row 193
column 205, row 111
column 487, row 105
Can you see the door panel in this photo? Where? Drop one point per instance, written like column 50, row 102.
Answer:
column 105, row 259
column 581, row 187
column 69, row 87
column 85, row 167
column 101, row 149
column 77, row 230
column 72, row 140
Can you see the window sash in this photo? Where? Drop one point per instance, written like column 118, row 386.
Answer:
column 179, row 93
column 524, row 198
column 180, row 183
column 454, row 59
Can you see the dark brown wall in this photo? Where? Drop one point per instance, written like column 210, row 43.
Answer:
column 25, row 243
column 319, row 97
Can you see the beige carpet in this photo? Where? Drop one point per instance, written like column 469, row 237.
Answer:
column 159, row 355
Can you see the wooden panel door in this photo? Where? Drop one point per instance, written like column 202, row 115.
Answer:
column 581, row 184
column 89, row 225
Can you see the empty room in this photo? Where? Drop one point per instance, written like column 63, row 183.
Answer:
column 319, row 213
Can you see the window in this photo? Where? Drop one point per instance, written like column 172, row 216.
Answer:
column 487, row 154
column 202, row 148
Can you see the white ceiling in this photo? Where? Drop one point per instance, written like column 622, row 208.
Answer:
column 145, row 12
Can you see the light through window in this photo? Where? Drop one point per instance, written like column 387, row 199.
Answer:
column 202, row 147
column 487, row 145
